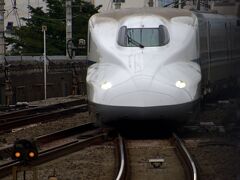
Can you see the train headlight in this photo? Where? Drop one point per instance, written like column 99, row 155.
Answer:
column 180, row 84
column 106, row 85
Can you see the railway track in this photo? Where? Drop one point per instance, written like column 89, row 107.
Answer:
column 122, row 159
column 175, row 162
column 25, row 117
column 60, row 143
column 10, row 108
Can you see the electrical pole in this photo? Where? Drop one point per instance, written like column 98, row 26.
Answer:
column 156, row 3
column 2, row 43
column 29, row 9
column 44, row 29
column 68, row 23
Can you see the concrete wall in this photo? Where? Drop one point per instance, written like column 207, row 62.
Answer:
column 29, row 87
column 24, row 81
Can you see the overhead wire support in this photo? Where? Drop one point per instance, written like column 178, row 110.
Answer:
column 15, row 11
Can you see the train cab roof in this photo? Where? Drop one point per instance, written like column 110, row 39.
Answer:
column 166, row 13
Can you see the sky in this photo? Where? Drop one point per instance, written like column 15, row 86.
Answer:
column 21, row 9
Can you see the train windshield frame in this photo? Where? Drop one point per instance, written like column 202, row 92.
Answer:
column 143, row 37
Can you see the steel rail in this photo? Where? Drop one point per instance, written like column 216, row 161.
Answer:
column 56, row 152
column 122, row 172
column 66, row 132
column 45, row 117
column 69, row 148
column 187, row 157
column 41, row 109
column 10, row 108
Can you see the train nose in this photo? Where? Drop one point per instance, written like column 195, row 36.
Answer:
column 142, row 99
column 145, row 92
column 171, row 85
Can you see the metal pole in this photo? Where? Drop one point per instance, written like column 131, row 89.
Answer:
column 198, row 5
column 179, row 4
column 2, row 43
column 209, row 50
column 44, row 29
column 28, row 9
column 156, row 3
column 68, row 23
column 45, row 68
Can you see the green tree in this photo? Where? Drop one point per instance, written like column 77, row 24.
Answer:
column 28, row 39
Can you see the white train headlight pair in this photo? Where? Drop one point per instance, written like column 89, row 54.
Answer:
column 180, row 84
column 106, row 85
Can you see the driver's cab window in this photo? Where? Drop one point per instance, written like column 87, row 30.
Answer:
column 143, row 37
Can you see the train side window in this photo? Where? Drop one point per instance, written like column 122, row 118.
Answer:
column 163, row 35
column 122, row 36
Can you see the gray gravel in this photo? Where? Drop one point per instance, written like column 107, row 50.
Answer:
column 95, row 162
column 216, row 149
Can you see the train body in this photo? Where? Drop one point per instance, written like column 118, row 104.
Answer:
column 219, row 52
column 149, row 64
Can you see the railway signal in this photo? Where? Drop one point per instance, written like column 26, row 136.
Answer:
column 24, row 150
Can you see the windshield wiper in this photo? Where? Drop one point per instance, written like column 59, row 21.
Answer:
column 130, row 40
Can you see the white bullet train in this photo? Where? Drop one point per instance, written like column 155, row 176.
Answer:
column 147, row 65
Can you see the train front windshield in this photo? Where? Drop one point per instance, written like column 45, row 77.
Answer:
column 146, row 37
column 143, row 37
